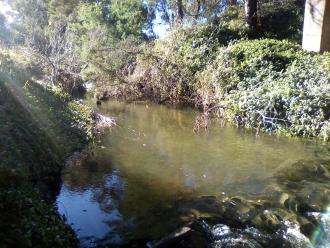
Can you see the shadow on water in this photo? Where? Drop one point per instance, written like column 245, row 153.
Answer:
column 152, row 175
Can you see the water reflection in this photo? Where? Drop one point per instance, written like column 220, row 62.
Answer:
column 145, row 178
column 93, row 211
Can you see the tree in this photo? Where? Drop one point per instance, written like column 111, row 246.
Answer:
column 131, row 17
column 179, row 8
column 4, row 32
column 63, row 7
column 251, row 8
column 173, row 11
column 33, row 18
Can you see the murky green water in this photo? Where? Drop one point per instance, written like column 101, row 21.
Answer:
column 138, row 182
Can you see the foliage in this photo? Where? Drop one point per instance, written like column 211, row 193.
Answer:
column 61, row 7
column 90, row 35
column 4, row 31
column 276, row 19
column 104, row 35
column 40, row 127
column 28, row 221
column 99, row 40
column 131, row 18
column 165, row 71
column 76, row 38
column 272, row 85
column 171, row 63
column 192, row 11
column 282, row 19
column 33, row 19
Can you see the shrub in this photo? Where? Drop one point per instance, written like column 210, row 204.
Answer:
column 263, row 83
column 272, row 85
column 165, row 70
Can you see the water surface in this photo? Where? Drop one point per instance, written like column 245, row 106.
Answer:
column 138, row 180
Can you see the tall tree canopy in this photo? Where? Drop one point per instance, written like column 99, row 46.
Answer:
column 60, row 30
column 3, row 28
column 190, row 10
column 100, row 37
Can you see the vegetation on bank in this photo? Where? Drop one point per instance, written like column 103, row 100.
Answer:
column 265, row 84
column 270, row 84
column 40, row 126
column 244, row 65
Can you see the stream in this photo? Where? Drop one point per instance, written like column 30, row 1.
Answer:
column 151, row 175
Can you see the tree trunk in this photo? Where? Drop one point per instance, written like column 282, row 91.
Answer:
column 251, row 13
column 180, row 13
column 197, row 11
column 231, row 2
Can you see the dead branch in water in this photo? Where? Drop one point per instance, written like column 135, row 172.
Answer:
column 102, row 123
column 202, row 120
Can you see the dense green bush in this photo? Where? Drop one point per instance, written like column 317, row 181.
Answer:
column 272, row 85
column 264, row 83
column 249, row 62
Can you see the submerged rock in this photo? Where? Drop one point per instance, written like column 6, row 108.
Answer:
column 306, row 227
column 306, row 170
column 184, row 237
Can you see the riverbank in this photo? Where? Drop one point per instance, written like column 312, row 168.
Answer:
column 40, row 127
column 263, row 84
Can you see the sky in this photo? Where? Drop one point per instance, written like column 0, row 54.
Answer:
column 160, row 28
column 6, row 10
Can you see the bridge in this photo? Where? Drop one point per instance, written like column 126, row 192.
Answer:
column 316, row 36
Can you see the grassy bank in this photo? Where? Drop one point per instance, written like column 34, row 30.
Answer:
column 264, row 84
column 40, row 127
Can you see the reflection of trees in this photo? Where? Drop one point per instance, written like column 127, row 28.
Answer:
column 107, row 189
column 110, row 191
column 88, row 174
column 143, row 209
column 104, row 182
column 155, row 196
